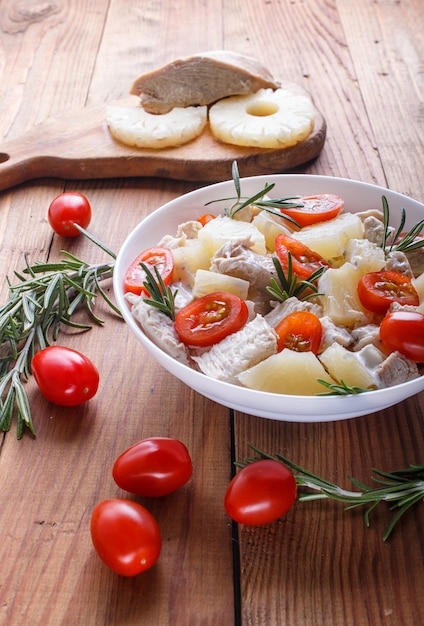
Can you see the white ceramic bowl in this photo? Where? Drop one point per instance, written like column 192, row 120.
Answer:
column 358, row 196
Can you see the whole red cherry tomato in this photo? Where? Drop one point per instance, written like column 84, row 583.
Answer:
column 404, row 331
column 300, row 331
column 304, row 260
column 161, row 258
column 377, row 290
column 209, row 319
column 68, row 209
column 319, row 208
column 260, row 493
column 126, row 536
column 153, row 467
column 65, row 376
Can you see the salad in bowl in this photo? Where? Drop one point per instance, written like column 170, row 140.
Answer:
column 292, row 297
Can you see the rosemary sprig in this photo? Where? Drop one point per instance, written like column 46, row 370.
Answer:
column 289, row 284
column 271, row 206
column 341, row 389
column 45, row 298
column 394, row 240
column 161, row 296
column 401, row 489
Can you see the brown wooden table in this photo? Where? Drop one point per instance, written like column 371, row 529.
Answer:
column 363, row 63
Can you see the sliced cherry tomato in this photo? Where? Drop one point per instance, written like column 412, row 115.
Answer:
column 318, row 208
column 300, row 331
column 304, row 260
column 260, row 493
column 126, row 536
column 404, row 331
column 161, row 258
column 377, row 291
column 65, row 376
column 206, row 218
column 208, row 320
column 68, row 209
column 153, row 467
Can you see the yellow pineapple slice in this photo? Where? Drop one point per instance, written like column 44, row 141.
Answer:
column 266, row 119
column 136, row 127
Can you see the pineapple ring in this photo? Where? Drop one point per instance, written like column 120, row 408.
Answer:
column 136, row 127
column 265, row 119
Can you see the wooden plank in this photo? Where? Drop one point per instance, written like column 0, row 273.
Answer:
column 299, row 563
column 386, row 46
column 69, row 464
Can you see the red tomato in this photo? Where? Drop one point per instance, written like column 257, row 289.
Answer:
column 135, row 276
column 404, row 331
column 65, row 377
column 210, row 319
column 304, row 260
column 68, row 209
column 126, row 536
column 204, row 219
column 260, row 493
column 153, row 467
column 319, row 208
column 377, row 290
column 300, row 331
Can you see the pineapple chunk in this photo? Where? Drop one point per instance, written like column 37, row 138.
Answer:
column 288, row 372
column 136, row 127
column 189, row 258
column 330, row 238
column 270, row 226
column 356, row 369
column 339, row 296
column 223, row 229
column 207, row 282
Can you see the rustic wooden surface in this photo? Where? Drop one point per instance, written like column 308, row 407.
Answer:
column 320, row 566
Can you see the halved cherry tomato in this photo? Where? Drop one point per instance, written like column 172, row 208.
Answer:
column 126, row 536
column 153, row 467
column 377, row 291
column 304, row 260
column 260, row 493
column 206, row 218
column 300, row 331
column 135, row 276
column 209, row 319
column 64, row 376
column 68, row 209
column 318, row 208
column 404, row 331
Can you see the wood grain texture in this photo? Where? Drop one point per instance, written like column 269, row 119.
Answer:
column 320, row 565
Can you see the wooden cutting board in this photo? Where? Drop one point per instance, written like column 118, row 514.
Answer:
column 78, row 146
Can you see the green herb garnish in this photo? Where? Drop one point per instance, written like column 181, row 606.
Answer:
column 394, row 240
column 161, row 296
column 341, row 389
column 271, row 206
column 289, row 285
